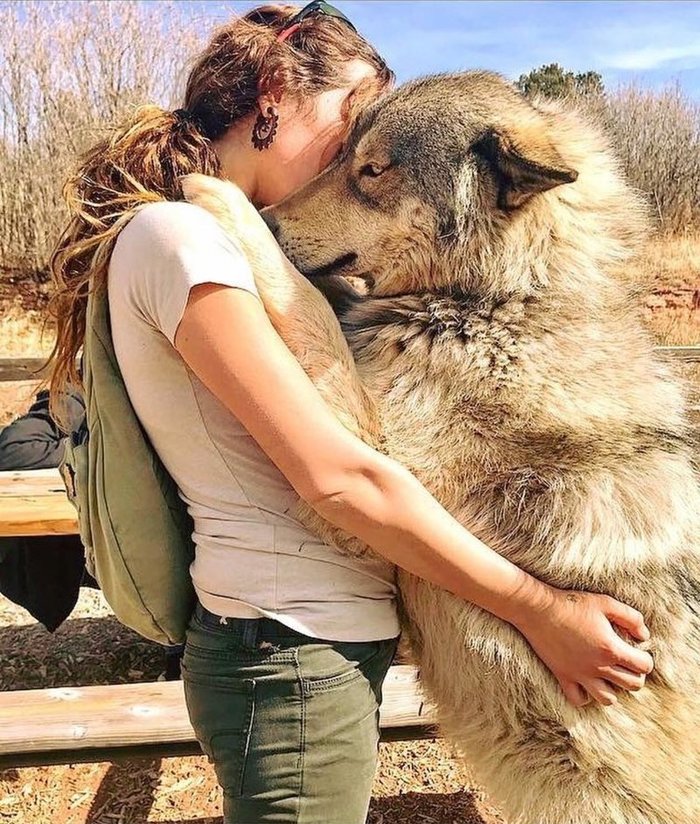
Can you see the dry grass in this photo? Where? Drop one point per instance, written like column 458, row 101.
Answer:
column 24, row 333
column 656, row 134
column 672, row 267
column 88, row 64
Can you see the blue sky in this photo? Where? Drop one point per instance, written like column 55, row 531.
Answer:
column 653, row 43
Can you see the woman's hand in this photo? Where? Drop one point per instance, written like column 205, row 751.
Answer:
column 572, row 633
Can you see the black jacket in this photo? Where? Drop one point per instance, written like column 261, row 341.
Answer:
column 42, row 574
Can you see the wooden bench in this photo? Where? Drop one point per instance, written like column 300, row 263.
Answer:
column 68, row 725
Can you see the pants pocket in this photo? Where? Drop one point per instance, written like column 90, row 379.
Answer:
column 327, row 667
column 221, row 712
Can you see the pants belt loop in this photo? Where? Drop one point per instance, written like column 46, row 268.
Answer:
column 250, row 631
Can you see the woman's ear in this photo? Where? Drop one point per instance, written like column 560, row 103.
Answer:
column 269, row 94
column 267, row 101
column 524, row 162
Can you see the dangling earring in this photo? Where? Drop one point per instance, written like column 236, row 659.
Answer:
column 265, row 129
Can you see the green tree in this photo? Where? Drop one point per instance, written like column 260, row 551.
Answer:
column 555, row 81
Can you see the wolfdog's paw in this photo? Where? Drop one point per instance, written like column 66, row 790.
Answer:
column 242, row 223
column 225, row 201
column 212, row 192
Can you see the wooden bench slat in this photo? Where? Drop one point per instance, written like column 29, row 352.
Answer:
column 35, row 503
column 31, row 482
column 22, row 369
column 44, row 515
column 37, row 726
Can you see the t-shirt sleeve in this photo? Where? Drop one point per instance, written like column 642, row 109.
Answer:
column 165, row 250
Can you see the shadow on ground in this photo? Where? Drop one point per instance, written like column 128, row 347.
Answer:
column 81, row 652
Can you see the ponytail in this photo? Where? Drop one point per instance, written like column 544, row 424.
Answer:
column 141, row 162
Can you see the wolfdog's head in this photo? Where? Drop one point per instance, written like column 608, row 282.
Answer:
column 456, row 181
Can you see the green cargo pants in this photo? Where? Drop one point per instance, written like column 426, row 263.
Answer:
column 290, row 722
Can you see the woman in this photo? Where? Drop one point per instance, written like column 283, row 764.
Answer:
column 290, row 641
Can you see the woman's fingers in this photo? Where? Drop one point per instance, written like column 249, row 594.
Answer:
column 628, row 618
column 628, row 657
column 574, row 693
column 601, row 691
column 622, row 677
column 631, row 658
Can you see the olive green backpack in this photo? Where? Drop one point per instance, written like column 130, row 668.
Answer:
column 135, row 528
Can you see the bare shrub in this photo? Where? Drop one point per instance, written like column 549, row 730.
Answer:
column 657, row 136
column 68, row 70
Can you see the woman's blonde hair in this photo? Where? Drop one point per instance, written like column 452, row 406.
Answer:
column 143, row 160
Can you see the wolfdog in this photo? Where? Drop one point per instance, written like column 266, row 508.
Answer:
column 499, row 354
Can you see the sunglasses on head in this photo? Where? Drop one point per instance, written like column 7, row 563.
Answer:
column 316, row 7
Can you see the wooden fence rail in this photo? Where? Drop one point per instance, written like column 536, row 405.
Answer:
column 22, row 369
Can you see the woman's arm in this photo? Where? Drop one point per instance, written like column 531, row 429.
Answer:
column 226, row 338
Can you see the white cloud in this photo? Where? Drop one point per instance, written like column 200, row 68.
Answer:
column 652, row 57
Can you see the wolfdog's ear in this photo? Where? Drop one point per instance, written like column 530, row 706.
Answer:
column 523, row 165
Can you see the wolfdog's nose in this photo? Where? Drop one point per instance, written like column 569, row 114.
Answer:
column 272, row 223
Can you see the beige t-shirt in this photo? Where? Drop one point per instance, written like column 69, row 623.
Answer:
column 252, row 557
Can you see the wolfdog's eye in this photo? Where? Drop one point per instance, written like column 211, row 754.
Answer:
column 372, row 170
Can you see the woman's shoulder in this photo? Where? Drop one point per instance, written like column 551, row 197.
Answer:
column 166, row 248
column 169, row 220
column 166, row 232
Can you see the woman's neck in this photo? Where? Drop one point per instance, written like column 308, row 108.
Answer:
column 238, row 157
